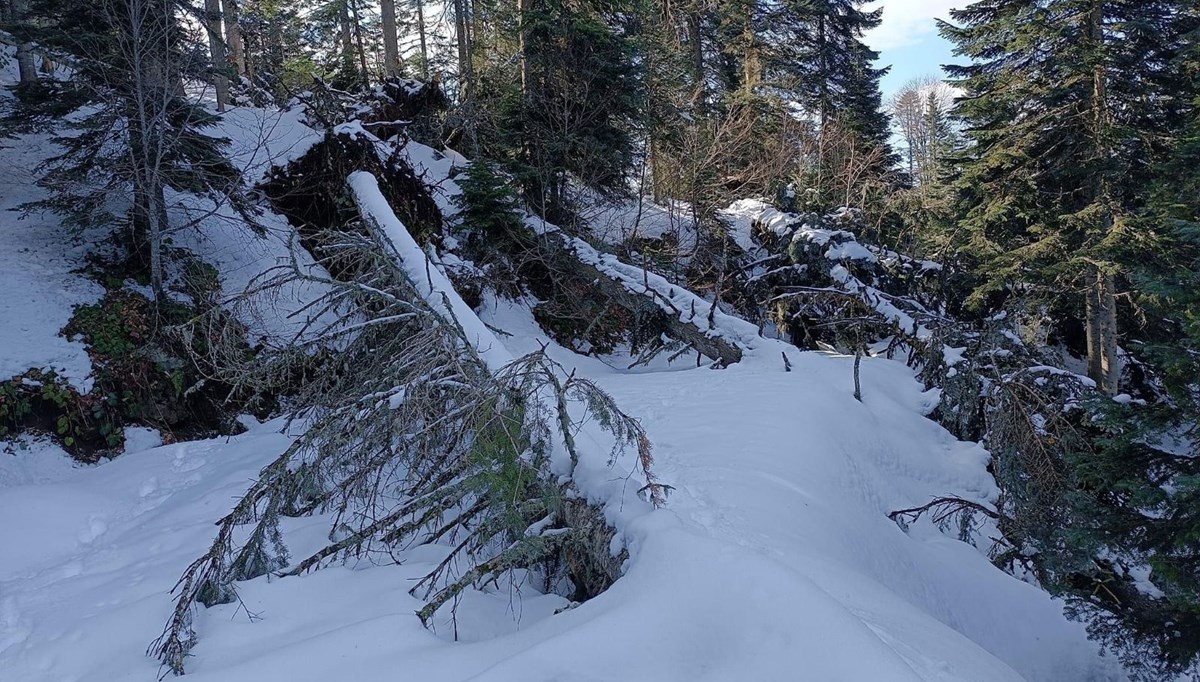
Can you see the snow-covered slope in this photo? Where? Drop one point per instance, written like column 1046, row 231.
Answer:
column 774, row 559
column 38, row 282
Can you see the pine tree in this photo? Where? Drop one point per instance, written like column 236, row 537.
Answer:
column 1066, row 104
column 579, row 98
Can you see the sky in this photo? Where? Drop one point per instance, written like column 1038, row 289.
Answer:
column 908, row 39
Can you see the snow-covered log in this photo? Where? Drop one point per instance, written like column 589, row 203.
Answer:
column 428, row 279
column 423, row 429
column 687, row 317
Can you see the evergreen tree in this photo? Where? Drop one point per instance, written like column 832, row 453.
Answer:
column 1067, row 103
column 579, row 99
column 1072, row 106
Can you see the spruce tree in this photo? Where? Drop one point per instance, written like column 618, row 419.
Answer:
column 578, row 102
column 1066, row 103
column 1072, row 106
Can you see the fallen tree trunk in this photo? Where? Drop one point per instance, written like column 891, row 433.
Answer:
column 684, row 315
column 306, row 191
column 424, row 430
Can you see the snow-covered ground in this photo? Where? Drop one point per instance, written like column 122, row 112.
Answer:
column 38, row 283
column 773, row 560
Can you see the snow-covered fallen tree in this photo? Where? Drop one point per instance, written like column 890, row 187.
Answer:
column 416, row 189
column 423, row 431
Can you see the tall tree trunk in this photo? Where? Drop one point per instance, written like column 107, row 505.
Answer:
column 358, row 40
column 1101, row 322
column 466, row 72
column 751, row 63
column 233, row 35
column 1101, row 309
column 523, row 47
column 700, row 96
column 347, row 36
column 25, row 64
column 420, row 6
column 216, row 49
column 391, row 46
column 823, row 77
column 157, row 214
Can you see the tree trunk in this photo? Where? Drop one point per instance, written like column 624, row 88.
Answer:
column 1101, row 321
column 347, row 36
column 358, row 39
column 391, row 47
column 523, row 47
column 420, row 6
column 466, row 72
column 700, row 96
column 158, row 227
column 751, row 62
column 25, row 64
column 560, row 253
column 1101, row 309
column 823, row 77
column 233, row 35
column 216, row 49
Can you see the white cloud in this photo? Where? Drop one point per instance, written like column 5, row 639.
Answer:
column 908, row 22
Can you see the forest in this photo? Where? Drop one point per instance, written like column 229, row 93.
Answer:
column 598, row 340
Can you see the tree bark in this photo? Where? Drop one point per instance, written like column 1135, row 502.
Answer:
column 700, row 96
column 25, row 64
column 466, row 71
column 420, row 6
column 391, row 46
column 356, row 21
column 347, row 37
column 1101, row 321
column 1101, row 309
column 233, row 35
column 216, row 49
column 556, row 248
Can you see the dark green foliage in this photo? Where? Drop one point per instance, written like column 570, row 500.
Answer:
column 42, row 402
column 1074, row 109
column 570, row 116
column 1056, row 173
column 132, row 133
column 490, row 206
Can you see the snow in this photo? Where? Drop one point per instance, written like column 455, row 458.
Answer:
column 671, row 298
column 618, row 221
column 39, row 285
column 433, row 284
column 262, row 138
column 850, row 250
column 773, row 558
column 743, row 214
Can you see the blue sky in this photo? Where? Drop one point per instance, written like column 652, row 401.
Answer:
column 908, row 39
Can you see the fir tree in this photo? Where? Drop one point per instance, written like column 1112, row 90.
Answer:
column 1067, row 103
column 1072, row 106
